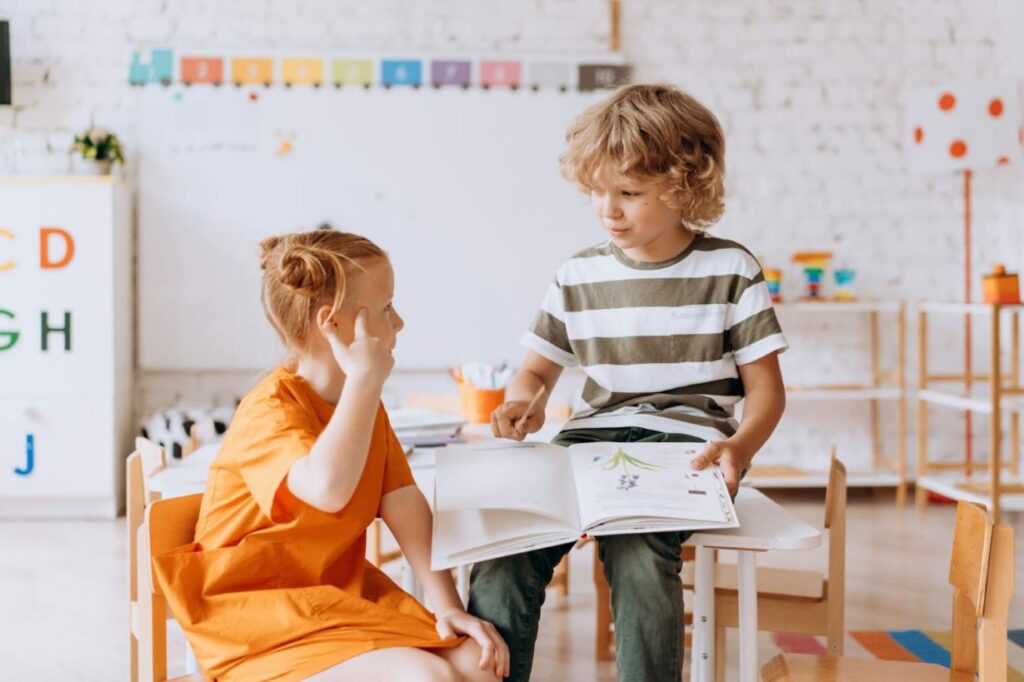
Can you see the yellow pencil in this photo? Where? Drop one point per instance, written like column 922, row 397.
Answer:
column 529, row 408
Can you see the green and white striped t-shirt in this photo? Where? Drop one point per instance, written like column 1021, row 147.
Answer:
column 659, row 342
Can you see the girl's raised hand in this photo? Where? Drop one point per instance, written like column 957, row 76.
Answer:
column 366, row 357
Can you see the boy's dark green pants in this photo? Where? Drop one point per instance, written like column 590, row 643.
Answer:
column 642, row 570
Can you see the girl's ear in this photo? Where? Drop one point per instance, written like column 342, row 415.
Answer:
column 323, row 317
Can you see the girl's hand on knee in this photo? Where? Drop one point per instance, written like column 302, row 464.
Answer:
column 494, row 654
column 729, row 461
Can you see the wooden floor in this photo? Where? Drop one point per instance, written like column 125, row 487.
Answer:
column 63, row 612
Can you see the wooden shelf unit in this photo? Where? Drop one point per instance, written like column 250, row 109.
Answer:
column 884, row 385
column 996, row 393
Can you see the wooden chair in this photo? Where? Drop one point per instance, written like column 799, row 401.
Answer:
column 981, row 574
column 147, row 460
column 804, row 602
column 168, row 524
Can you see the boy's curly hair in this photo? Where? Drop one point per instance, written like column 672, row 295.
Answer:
column 654, row 133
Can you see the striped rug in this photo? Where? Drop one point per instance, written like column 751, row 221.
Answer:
column 928, row 646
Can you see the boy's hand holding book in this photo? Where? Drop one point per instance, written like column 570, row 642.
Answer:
column 729, row 460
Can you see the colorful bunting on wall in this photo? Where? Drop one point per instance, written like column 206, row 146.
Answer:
column 152, row 66
column 160, row 66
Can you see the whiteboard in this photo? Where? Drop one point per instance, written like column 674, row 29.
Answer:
column 461, row 187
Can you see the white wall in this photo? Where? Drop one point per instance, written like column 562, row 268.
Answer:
column 810, row 93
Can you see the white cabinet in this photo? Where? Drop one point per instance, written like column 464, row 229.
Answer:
column 66, row 349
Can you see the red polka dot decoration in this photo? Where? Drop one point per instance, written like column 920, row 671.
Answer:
column 956, row 126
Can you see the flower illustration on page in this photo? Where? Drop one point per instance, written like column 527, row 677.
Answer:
column 627, row 479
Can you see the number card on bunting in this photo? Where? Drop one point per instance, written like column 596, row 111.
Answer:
column 450, row 72
column 500, row 74
column 401, row 72
column 302, row 71
column 555, row 75
column 603, row 76
column 157, row 68
column 252, row 71
column 352, row 72
column 965, row 125
column 202, row 70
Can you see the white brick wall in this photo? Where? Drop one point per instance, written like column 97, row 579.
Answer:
column 810, row 93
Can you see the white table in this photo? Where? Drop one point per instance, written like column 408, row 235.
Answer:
column 764, row 525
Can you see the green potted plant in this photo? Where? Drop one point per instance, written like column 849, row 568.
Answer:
column 95, row 151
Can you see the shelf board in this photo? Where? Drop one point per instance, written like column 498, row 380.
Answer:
column 841, row 306
column 811, row 393
column 975, row 401
column 947, row 486
column 954, row 307
column 794, row 477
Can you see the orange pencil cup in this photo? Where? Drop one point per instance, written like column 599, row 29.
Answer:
column 478, row 403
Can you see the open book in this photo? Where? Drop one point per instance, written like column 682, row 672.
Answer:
column 496, row 499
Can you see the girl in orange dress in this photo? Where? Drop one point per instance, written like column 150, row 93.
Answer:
column 276, row 585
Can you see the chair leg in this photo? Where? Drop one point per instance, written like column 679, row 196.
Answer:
column 719, row 654
column 133, row 658
column 835, row 635
column 563, row 584
column 603, row 615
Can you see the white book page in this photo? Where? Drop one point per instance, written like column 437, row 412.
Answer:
column 533, row 477
column 470, row 535
column 648, row 482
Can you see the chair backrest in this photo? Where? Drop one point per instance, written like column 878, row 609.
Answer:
column 147, row 460
column 153, row 460
column 981, row 573
column 168, row 523
column 171, row 523
column 835, row 522
column 835, row 494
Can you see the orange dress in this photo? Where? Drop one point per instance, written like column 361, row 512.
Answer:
column 273, row 589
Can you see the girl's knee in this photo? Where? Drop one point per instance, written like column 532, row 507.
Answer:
column 465, row 660
column 437, row 670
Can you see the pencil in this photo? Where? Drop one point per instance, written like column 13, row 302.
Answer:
column 529, row 408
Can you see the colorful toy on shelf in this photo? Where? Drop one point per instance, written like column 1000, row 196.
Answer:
column 1000, row 286
column 814, row 263
column 844, row 284
column 773, row 278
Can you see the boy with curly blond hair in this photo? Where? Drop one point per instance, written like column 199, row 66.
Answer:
column 672, row 328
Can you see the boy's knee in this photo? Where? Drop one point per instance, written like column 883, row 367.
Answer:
column 639, row 559
column 505, row 576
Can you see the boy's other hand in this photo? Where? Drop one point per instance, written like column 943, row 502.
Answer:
column 729, row 462
column 507, row 421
